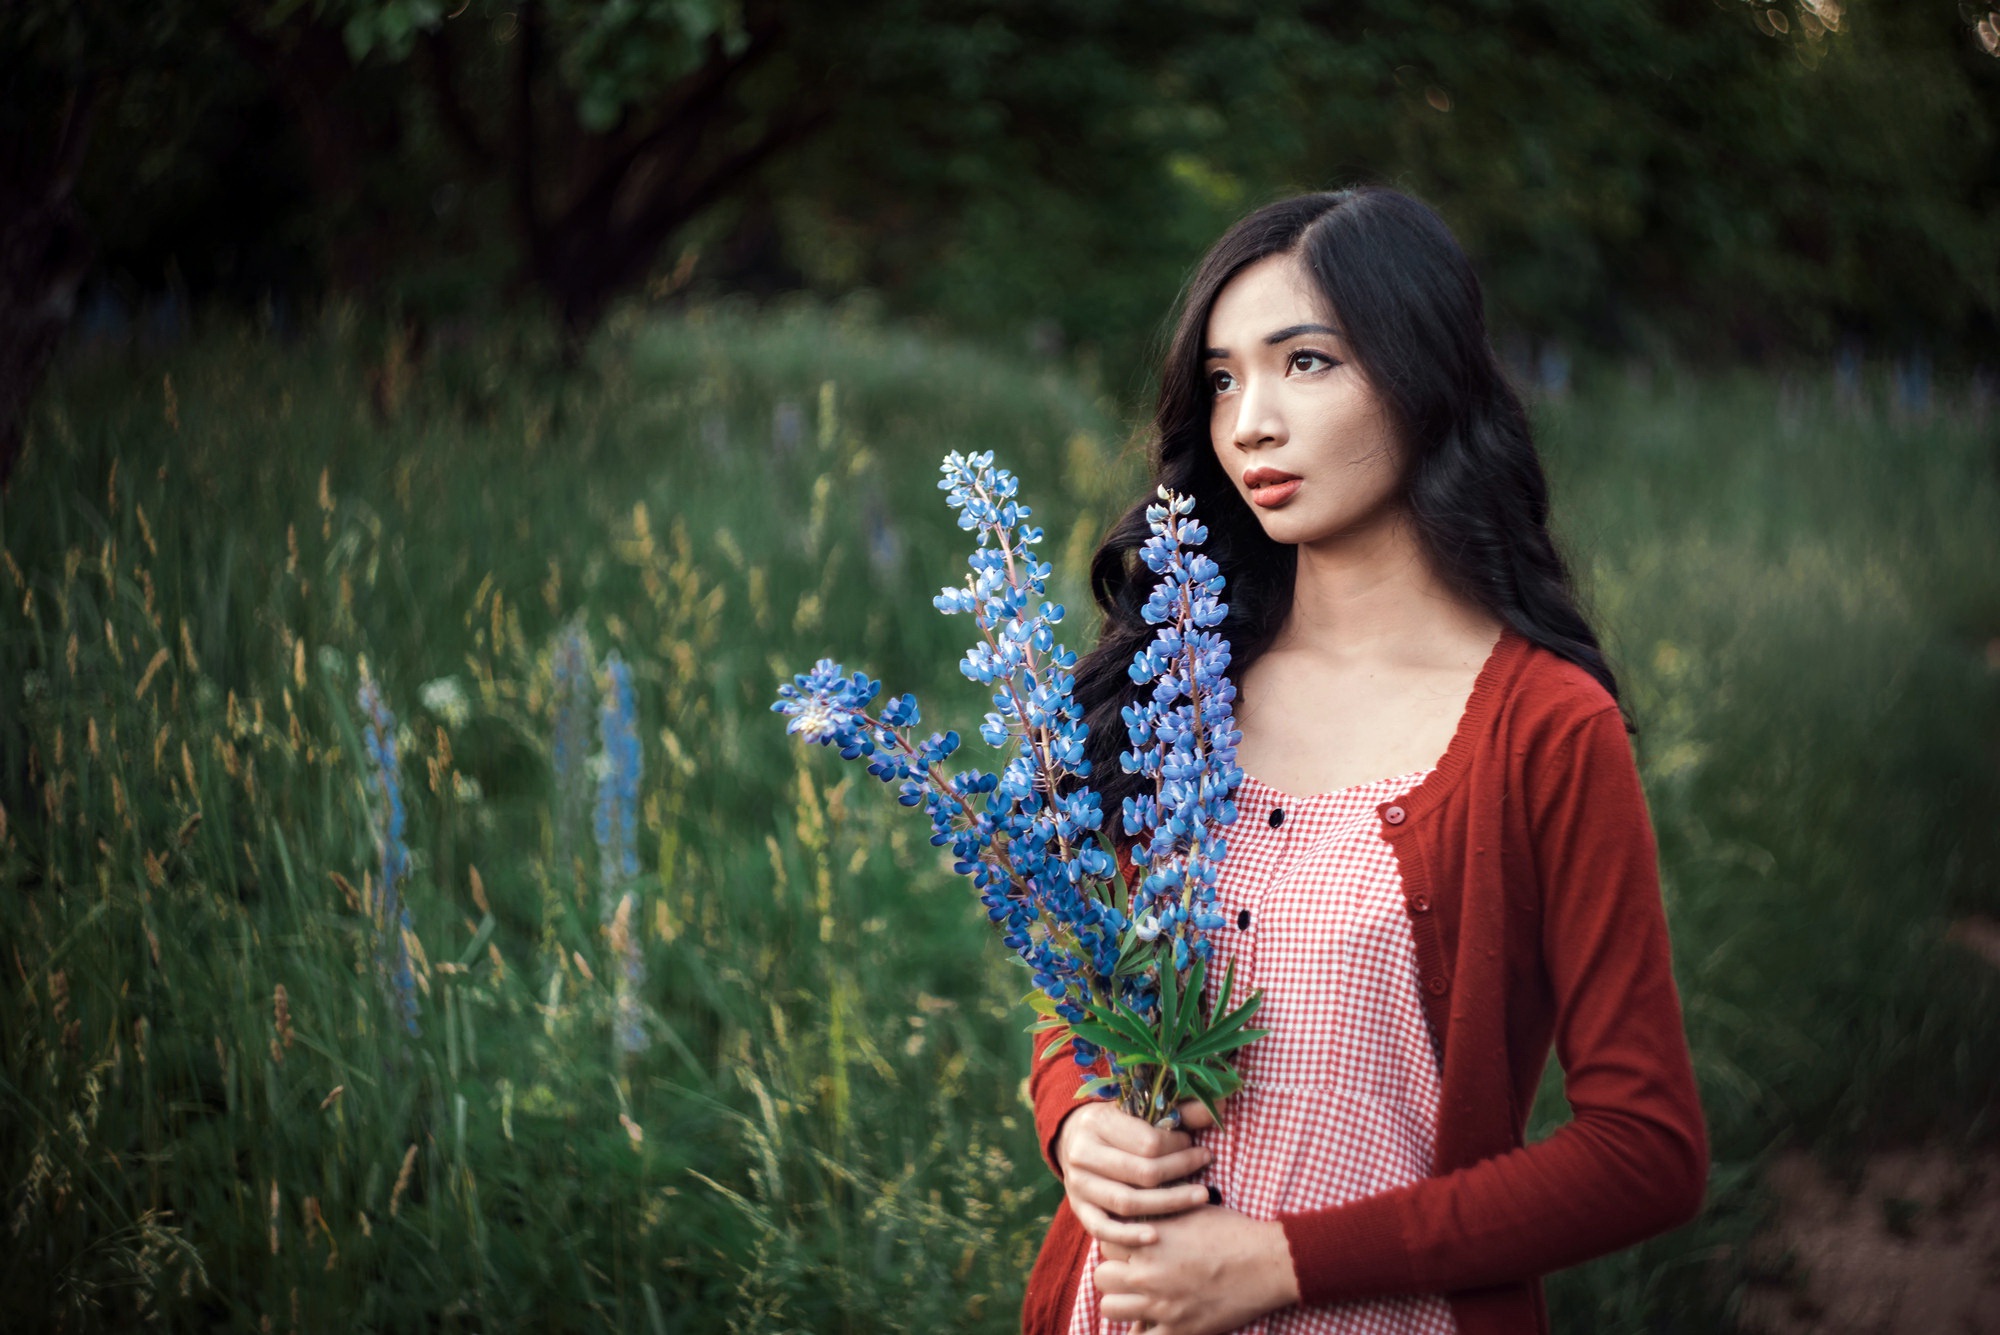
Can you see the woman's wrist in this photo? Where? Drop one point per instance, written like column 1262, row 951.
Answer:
column 1272, row 1261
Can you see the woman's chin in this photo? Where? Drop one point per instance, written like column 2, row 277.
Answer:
column 1290, row 529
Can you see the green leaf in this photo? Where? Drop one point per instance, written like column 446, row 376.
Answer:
column 1134, row 957
column 1228, row 986
column 1131, row 1024
column 1215, row 1045
column 1053, row 1049
column 1096, row 1085
column 1190, row 1009
column 1101, row 1036
column 1227, row 1033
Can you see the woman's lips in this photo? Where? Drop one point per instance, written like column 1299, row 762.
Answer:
column 1270, row 487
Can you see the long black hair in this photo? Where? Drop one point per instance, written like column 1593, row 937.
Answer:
column 1409, row 309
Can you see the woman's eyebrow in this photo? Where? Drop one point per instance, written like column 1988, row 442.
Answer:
column 1295, row 330
column 1272, row 340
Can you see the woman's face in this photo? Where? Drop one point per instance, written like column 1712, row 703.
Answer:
column 1293, row 421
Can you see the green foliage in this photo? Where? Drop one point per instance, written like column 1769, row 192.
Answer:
column 848, row 1086
column 828, row 1133
column 1678, row 174
column 1179, row 1054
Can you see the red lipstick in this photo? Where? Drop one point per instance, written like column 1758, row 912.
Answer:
column 1271, row 487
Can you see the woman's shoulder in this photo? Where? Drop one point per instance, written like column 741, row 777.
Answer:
column 1550, row 697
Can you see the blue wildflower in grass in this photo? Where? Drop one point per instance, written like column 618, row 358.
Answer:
column 617, row 822
column 628, row 1024
column 387, row 818
column 572, row 706
column 1121, row 967
column 617, row 828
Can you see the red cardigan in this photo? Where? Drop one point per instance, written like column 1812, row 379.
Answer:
column 1532, row 884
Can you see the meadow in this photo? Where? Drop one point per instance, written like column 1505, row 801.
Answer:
column 216, row 1118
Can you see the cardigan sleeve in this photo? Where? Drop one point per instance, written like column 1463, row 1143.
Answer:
column 1633, row 1160
column 1052, row 1087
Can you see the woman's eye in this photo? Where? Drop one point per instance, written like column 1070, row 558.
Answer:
column 1219, row 381
column 1305, row 360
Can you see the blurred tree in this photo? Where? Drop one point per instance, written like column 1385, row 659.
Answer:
column 1717, row 176
column 612, row 127
column 605, row 127
column 1712, row 176
column 68, row 63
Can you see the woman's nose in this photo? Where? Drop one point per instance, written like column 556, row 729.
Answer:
column 1258, row 421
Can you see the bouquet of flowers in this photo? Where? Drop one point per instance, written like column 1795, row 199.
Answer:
column 1119, row 961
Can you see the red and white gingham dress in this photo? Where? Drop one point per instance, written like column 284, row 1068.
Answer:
column 1340, row 1100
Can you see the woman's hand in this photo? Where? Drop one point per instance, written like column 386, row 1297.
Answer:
column 1116, row 1164
column 1211, row 1270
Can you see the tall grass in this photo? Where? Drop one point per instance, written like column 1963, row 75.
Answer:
column 825, row 1130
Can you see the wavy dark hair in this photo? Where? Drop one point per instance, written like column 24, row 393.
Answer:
column 1409, row 309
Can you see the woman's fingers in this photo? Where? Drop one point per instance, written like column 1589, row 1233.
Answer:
column 1108, row 1230
column 1138, row 1170
column 1126, row 1307
column 1195, row 1115
column 1101, row 1123
column 1128, row 1133
column 1115, row 1197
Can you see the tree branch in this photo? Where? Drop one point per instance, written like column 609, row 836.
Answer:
column 526, row 185
column 451, row 108
column 688, row 112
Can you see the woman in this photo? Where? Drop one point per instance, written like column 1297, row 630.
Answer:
column 1442, row 859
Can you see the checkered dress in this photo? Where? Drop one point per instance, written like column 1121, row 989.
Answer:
column 1340, row 1101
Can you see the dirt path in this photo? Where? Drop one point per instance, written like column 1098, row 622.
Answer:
column 1914, row 1251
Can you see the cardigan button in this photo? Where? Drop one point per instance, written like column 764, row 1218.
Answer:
column 1436, row 985
column 1277, row 817
column 1421, row 903
column 1395, row 815
column 1243, row 920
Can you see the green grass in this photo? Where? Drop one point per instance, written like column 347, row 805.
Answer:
column 830, row 1134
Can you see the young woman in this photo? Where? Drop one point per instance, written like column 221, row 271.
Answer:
column 1442, row 860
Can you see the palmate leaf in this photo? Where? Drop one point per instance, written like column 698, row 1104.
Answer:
column 1122, row 1033
column 1226, row 1034
column 1194, row 1054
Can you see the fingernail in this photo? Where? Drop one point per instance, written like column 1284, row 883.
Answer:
column 1214, row 1195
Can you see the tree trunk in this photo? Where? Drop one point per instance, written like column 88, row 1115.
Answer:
column 45, row 251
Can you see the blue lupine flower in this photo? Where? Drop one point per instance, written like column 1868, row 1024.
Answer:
column 573, row 706
column 1029, row 837
column 1185, row 733
column 617, row 828
column 387, row 817
column 617, row 822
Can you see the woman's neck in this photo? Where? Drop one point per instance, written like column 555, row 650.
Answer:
column 1372, row 594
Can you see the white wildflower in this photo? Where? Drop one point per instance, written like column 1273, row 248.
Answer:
column 445, row 699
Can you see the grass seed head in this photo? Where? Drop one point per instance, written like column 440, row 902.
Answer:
column 403, row 1179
